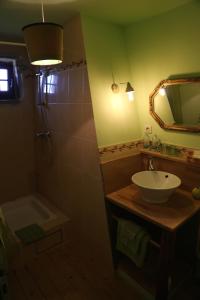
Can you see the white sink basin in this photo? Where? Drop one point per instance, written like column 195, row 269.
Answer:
column 156, row 186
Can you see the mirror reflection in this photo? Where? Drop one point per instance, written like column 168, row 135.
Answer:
column 175, row 104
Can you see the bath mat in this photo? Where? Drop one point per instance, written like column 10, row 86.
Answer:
column 30, row 234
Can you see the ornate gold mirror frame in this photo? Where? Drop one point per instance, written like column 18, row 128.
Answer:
column 174, row 126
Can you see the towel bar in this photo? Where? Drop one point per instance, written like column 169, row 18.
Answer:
column 151, row 241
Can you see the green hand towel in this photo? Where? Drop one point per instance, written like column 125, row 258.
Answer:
column 128, row 231
column 30, row 234
column 132, row 240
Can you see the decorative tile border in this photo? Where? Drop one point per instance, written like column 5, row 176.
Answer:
column 118, row 151
column 74, row 64
column 177, row 153
column 32, row 72
column 170, row 151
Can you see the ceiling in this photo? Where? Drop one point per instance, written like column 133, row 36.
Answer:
column 14, row 14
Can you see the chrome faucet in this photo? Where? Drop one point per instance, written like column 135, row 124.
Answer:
column 151, row 166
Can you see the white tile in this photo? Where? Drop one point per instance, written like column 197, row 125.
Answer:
column 86, row 85
column 76, row 84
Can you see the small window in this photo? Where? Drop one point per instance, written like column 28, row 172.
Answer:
column 9, row 82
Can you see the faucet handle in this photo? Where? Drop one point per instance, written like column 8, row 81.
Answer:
column 151, row 166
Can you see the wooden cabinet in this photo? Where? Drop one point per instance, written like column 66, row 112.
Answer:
column 171, row 255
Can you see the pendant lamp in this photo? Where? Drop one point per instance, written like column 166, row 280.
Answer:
column 44, row 42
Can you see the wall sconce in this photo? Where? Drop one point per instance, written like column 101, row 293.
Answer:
column 115, row 88
column 44, row 42
column 129, row 89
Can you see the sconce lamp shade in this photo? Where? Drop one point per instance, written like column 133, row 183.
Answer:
column 129, row 88
column 44, row 42
column 130, row 91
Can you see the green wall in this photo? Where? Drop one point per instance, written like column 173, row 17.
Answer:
column 143, row 53
column 158, row 48
column 116, row 118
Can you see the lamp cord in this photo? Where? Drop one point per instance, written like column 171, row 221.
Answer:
column 113, row 78
column 42, row 11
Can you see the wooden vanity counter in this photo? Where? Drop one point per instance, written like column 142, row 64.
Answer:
column 169, row 216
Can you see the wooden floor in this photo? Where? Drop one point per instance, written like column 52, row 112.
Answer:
column 61, row 275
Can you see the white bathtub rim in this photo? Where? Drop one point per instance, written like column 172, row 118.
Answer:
column 54, row 215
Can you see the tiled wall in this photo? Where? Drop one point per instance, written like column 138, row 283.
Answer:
column 68, row 117
column 17, row 174
column 68, row 162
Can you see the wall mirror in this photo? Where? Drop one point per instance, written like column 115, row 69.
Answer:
column 175, row 104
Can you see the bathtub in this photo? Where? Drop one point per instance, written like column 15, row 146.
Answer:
column 34, row 209
column 25, row 211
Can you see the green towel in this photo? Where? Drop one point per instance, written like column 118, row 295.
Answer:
column 30, row 234
column 132, row 240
